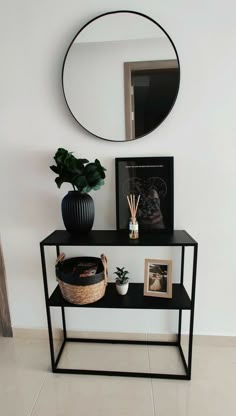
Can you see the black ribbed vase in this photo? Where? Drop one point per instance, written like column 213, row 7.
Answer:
column 77, row 212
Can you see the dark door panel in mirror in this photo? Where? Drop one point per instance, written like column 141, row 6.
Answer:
column 121, row 76
column 149, row 90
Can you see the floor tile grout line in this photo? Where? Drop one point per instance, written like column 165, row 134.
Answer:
column 37, row 397
column 153, row 400
column 149, row 362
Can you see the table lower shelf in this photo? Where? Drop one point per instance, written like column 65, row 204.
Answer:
column 134, row 299
column 145, row 360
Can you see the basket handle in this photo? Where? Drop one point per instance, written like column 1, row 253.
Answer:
column 104, row 262
column 60, row 258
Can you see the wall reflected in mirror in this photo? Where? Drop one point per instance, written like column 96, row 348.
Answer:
column 121, row 76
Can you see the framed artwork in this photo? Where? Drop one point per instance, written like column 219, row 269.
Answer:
column 158, row 278
column 152, row 179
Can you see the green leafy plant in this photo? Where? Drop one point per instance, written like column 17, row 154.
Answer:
column 122, row 276
column 83, row 175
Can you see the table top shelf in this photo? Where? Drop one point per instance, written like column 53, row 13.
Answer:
column 119, row 238
column 134, row 299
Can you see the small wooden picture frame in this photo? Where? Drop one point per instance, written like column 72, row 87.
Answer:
column 158, row 278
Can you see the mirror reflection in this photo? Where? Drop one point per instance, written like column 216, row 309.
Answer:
column 121, row 76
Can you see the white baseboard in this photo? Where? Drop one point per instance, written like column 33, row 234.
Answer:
column 35, row 333
column 199, row 340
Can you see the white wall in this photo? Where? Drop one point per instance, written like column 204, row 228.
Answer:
column 199, row 133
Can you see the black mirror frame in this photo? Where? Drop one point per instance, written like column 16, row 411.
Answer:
column 64, row 61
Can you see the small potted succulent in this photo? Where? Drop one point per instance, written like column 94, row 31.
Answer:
column 122, row 280
column 84, row 176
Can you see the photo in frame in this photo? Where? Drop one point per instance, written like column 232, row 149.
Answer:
column 158, row 278
column 152, row 179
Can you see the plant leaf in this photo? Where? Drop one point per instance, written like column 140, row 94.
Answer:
column 59, row 181
column 75, row 171
column 55, row 169
column 86, row 189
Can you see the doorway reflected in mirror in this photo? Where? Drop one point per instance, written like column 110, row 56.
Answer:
column 149, row 89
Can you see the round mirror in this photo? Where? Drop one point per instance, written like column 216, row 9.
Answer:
column 121, row 76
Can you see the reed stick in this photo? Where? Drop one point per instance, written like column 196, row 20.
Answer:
column 136, row 207
column 133, row 205
column 129, row 204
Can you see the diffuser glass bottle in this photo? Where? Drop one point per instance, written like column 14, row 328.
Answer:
column 133, row 228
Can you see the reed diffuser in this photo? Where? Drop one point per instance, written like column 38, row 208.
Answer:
column 133, row 224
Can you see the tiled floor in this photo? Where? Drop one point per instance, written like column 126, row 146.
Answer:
column 28, row 388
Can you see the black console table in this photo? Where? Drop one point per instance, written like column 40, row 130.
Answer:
column 133, row 300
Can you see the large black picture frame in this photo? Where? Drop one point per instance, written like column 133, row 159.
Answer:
column 153, row 179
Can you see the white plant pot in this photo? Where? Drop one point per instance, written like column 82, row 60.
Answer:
column 122, row 289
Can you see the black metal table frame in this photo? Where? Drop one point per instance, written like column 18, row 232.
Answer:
column 186, row 364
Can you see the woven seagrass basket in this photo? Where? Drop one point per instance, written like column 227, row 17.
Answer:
column 81, row 290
